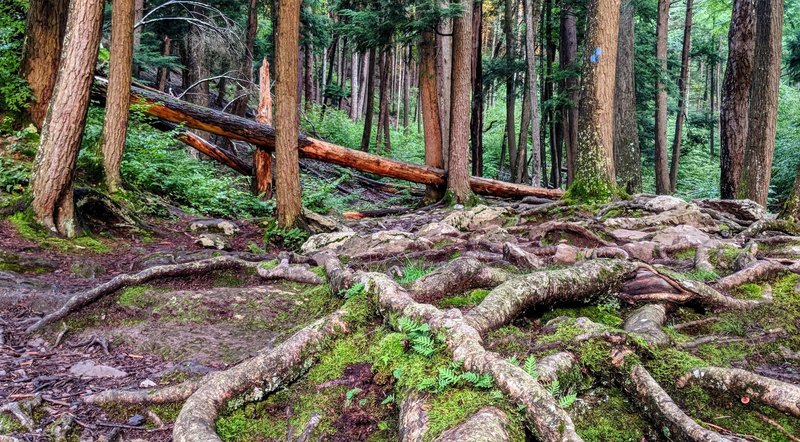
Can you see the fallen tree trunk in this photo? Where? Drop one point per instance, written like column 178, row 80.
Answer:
column 176, row 111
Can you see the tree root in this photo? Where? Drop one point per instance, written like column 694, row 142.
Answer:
column 754, row 272
column 768, row 336
column 457, row 276
column 126, row 280
column 543, row 229
column 413, row 417
column 550, row 367
column 23, row 416
column 521, row 258
column 166, row 395
column 746, row 385
column 296, row 273
column 769, row 225
column 646, row 323
column 488, row 424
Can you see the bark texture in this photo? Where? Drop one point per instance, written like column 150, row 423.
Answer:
column 430, row 110
column 683, row 95
column 662, row 29
column 627, row 158
column 63, row 126
column 567, row 53
column 262, row 160
column 532, row 8
column 458, row 173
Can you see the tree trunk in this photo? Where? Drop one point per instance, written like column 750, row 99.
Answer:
column 791, row 209
column 429, row 101
column 683, row 88
column 406, row 86
column 458, row 175
column 522, row 144
column 444, row 71
column 115, row 126
column 262, row 160
column 354, row 80
column 734, row 108
column 383, row 104
column 476, row 118
column 511, row 138
column 242, row 95
column 62, row 129
column 308, row 77
column 532, row 8
column 662, row 29
column 44, row 34
column 370, row 101
column 627, row 159
column 758, row 155
column 549, row 49
column 594, row 179
column 287, row 170
column 567, row 55
column 163, row 72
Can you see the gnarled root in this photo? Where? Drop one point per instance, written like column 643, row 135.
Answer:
column 126, row 280
column 754, row 272
column 413, row 417
column 165, row 395
column 543, row 229
column 456, row 276
column 296, row 273
column 22, row 411
column 550, row 367
column 778, row 395
column 488, row 424
column 646, row 322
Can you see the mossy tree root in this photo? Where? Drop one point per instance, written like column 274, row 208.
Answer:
column 779, row 395
column 126, row 280
column 294, row 273
column 543, row 229
column 166, row 395
column 459, row 275
column 754, row 272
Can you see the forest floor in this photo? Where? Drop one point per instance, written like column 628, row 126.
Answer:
column 518, row 318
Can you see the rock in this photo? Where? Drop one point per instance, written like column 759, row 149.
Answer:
column 477, row 218
column 745, row 210
column 383, row 243
column 135, row 420
column 691, row 215
column 629, row 235
column 19, row 263
column 147, row 383
column 322, row 241
column 212, row 241
column 642, row 250
column 86, row 269
column 437, row 231
column 669, row 236
column 225, row 227
column 646, row 321
column 88, row 369
column 519, row 257
column 662, row 203
column 565, row 254
column 316, row 223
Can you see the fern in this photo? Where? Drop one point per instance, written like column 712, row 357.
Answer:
column 423, row 345
column 353, row 291
column 530, row 367
column 447, row 377
column 485, row 381
column 426, row 383
column 554, row 388
column 567, row 400
column 513, row 360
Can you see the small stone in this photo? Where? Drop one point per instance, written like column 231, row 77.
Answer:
column 223, row 226
column 437, row 231
column 478, row 217
column 565, row 254
column 88, row 369
column 643, row 250
column 212, row 241
column 147, row 383
column 662, row 203
column 323, row 241
column 135, row 420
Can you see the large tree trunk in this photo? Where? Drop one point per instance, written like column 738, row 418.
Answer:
column 662, row 29
column 511, row 138
column 458, row 175
column 406, row 85
column 476, row 118
column 757, row 168
column 429, row 101
column 287, row 176
column 44, row 33
column 567, row 55
column 595, row 180
column 444, row 71
column 532, row 8
column 370, row 99
column 683, row 87
column 734, row 108
column 115, row 126
column 383, row 104
column 626, row 133
column 63, row 125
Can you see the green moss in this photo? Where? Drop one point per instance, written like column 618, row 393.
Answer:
column 689, row 253
column 474, row 298
column 611, row 416
column 594, row 355
column 268, row 265
column 509, row 341
column 345, row 352
column 136, row 297
column 750, row 291
column 413, row 271
column 722, row 355
column 606, row 314
column 227, row 278
column 669, row 364
column 702, row 275
column 10, row 425
column 28, row 229
column 452, row 407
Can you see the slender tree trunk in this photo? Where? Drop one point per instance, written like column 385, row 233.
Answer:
column 758, row 154
column 406, row 86
column 429, row 101
column 308, row 77
column 627, row 158
column 62, row 129
column 734, row 108
column 115, row 126
column 712, row 108
column 370, row 101
column 458, row 174
column 594, row 178
column 240, row 107
column 662, row 171
column 364, row 80
column 791, row 208
column 683, row 87
column 567, row 55
column 44, row 33
column 354, row 81
column 522, row 144
column 162, row 74
column 444, row 71
column 476, row 117
column 383, row 104
column 508, row 28
column 287, row 170
column 262, row 160
column 532, row 8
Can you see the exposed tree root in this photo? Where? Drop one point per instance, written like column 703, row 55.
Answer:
column 779, row 395
column 543, row 229
column 413, row 417
column 126, row 280
column 459, row 275
column 488, row 424
column 768, row 336
column 296, row 273
column 646, row 322
column 778, row 427
column 165, row 395
column 550, row 367
column 23, row 416
column 770, row 225
column 521, row 258
column 697, row 323
column 754, row 272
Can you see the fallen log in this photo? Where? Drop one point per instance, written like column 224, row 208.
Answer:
column 176, row 111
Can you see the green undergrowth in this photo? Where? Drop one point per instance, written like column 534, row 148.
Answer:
column 608, row 415
column 28, row 229
column 470, row 299
column 607, row 313
column 415, row 270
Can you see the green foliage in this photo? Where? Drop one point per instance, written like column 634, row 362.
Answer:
column 413, row 271
column 30, row 230
column 473, row 298
column 292, row 238
column 355, row 290
column 14, row 92
column 530, row 367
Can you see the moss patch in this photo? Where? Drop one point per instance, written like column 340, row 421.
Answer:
column 28, row 229
column 471, row 299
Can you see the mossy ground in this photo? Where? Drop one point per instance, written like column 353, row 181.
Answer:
column 28, row 229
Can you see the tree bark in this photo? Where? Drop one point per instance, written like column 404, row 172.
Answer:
column 308, row 77
column 429, row 101
column 115, row 126
column 287, row 179
column 62, row 129
column 758, row 155
column 241, row 105
column 458, row 175
column 595, row 178
column 567, row 55
column 532, row 8
column 370, row 101
column 683, row 88
column 354, row 80
column 476, row 118
column 163, row 72
column 444, row 71
column 511, row 138
column 662, row 29
column 406, row 85
column 44, row 34
column 383, row 104
column 627, row 160
column 262, row 160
